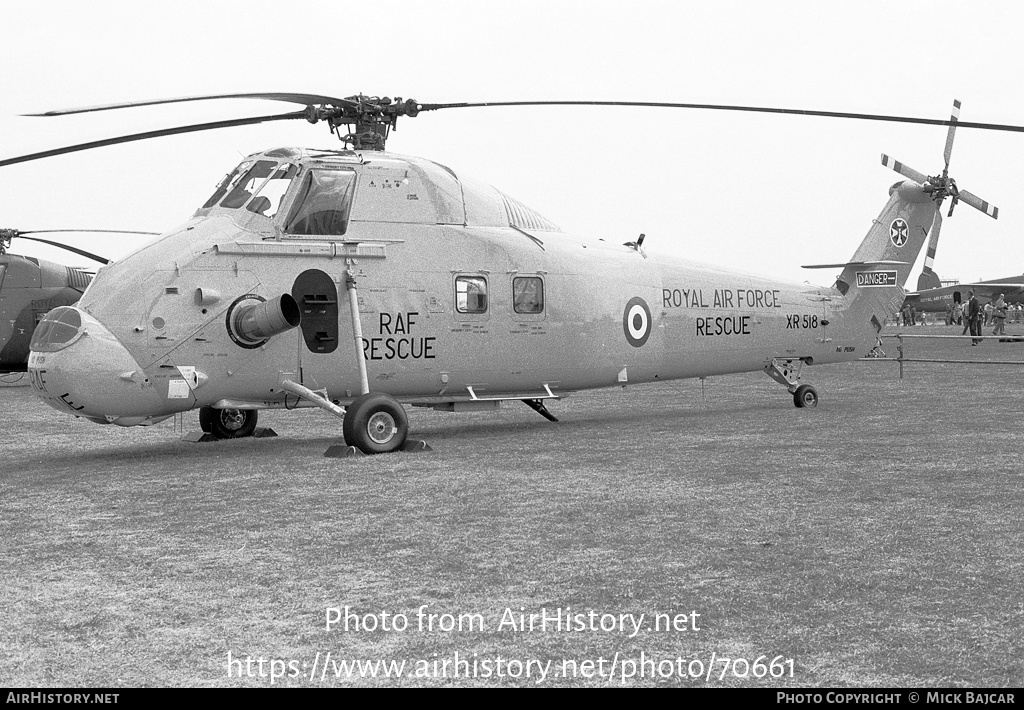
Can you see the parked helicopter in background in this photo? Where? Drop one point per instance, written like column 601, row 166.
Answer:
column 942, row 298
column 30, row 287
column 359, row 281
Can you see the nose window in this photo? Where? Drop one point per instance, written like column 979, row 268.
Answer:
column 57, row 330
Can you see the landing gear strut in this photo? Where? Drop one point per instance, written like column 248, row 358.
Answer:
column 375, row 423
column 787, row 373
column 537, row 405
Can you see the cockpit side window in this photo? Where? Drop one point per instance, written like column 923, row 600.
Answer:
column 267, row 200
column 323, row 204
column 229, row 180
column 243, row 190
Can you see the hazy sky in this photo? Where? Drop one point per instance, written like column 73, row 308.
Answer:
column 759, row 193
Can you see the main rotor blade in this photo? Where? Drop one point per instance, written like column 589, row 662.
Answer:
column 153, row 134
column 80, row 252
column 721, row 107
column 979, row 204
column 304, row 99
column 103, row 231
column 952, row 130
column 311, row 99
column 904, row 170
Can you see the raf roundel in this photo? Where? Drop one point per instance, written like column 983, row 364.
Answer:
column 899, row 232
column 636, row 322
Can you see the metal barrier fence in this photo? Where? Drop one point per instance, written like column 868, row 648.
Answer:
column 901, row 349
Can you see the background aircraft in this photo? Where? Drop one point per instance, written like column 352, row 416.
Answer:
column 938, row 300
column 30, row 286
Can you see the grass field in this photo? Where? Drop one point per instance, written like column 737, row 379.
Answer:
column 875, row 540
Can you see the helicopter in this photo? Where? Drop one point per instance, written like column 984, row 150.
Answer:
column 944, row 296
column 361, row 281
column 30, row 287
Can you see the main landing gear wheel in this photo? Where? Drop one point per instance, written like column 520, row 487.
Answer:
column 805, row 396
column 375, row 424
column 228, row 423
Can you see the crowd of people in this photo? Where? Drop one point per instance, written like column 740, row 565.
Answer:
column 970, row 314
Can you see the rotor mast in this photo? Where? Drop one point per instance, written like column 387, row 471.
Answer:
column 368, row 119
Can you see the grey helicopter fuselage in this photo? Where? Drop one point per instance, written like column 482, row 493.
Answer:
column 464, row 297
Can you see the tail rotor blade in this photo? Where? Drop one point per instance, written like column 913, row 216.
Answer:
column 928, row 278
column 979, row 204
column 904, row 170
column 954, row 117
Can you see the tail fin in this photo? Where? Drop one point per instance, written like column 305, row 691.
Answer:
column 874, row 292
column 873, row 280
column 928, row 279
column 896, row 237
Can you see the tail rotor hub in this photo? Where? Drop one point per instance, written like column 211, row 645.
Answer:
column 942, row 186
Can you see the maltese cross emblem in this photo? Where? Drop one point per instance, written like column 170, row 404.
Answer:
column 898, row 232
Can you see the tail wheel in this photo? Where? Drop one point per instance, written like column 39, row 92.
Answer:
column 375, row 424
column 805, row 396
column 228, row 423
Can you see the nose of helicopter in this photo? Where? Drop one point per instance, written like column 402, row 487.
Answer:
column 79, row 367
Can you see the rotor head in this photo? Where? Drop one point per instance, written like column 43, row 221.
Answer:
column 368, row 118
column 6, row 235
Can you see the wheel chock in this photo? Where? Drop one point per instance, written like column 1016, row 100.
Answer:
column 341, row 451
column 196, row 437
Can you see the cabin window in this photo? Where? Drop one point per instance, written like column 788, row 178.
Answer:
column 471, row 294
column 227, row 183
column 528, row 294
column 323, row 204
column 243, row 190
column 267, row 200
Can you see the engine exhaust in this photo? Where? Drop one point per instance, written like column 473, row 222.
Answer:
column 252, row 321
